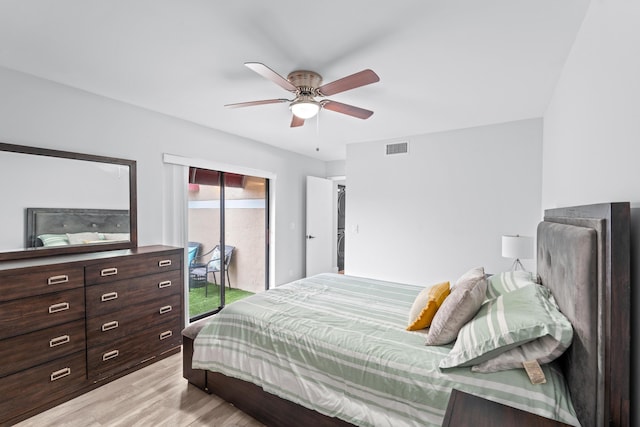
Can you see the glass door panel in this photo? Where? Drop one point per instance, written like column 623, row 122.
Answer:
column 228, row 211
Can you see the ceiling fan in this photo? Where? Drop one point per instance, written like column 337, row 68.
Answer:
column 307, row 86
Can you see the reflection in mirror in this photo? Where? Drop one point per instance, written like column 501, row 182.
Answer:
column 58, row 202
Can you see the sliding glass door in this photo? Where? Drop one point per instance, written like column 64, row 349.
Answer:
column 228, row 250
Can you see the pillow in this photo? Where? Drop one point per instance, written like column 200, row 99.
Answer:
column 544, row 349
column 470, row 276
column 192, row 254
column 214, row 264
column 53, row 239
column 501, row 283
column 508, row 322
column 425, row 306
column 115, row 236
column 81, row 238
column 457, row 309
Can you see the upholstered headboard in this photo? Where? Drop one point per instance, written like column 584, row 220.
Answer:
column 59, row 221
column 567, row 264
column 584, row 258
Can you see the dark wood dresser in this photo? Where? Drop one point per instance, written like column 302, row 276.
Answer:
column 73, row 323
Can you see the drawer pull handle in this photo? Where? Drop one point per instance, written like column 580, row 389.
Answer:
column 110, row 325
column 108, row 271
column 62, row 339
column 165, row 309
column 56, row 280
column 109, row 296
column 165, row 335
column 164, row 263
column 64, row 372
column 55, row 308
column 110, row 355
column 164, row 284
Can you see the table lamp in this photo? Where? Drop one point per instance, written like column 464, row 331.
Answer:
column 518, row 247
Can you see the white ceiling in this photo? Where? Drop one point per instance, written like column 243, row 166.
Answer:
column 443, row 65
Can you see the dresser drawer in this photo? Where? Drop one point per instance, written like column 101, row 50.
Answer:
column 114, row 296
column 31, row 314
column 109, row 359
column 110, row 327
column 25, row 351
column 132, row 266
column 30, row 389
column 45, row 280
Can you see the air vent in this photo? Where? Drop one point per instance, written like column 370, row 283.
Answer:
column 397, row 148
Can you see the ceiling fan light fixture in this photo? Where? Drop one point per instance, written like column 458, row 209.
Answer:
column 305, row 107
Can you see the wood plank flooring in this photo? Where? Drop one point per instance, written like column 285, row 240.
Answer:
column 156, row 395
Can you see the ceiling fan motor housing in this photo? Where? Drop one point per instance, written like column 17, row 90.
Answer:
column 306, row 81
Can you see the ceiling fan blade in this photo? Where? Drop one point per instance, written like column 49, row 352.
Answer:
column 353, row 81
column 252, row 103
column 269, row 74
column 296, row 121
column 350, row 110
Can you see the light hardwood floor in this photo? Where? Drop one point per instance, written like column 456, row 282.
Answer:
column 156, row 395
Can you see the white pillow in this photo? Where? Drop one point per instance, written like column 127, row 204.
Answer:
column 116, row 236
column 82, row 238
column 458, row 308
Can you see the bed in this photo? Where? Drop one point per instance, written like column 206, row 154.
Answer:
column 69, row 226
column 583, row 259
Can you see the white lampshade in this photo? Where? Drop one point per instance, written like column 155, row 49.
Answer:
column 305, row 107
column 518, row 247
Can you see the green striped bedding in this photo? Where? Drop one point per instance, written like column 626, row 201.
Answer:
column 337, row 344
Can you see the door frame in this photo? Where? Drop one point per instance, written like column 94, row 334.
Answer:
column 185, row 163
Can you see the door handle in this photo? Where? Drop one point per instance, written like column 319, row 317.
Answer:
column 309, row 236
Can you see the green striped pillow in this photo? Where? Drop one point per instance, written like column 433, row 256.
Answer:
column 53, row 239
column 526, row 315
column 502, row 283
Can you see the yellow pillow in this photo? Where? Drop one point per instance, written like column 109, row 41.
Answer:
column 425, row 306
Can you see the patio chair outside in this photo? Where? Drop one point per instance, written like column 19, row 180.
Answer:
column 213, row 266
column 193, row 255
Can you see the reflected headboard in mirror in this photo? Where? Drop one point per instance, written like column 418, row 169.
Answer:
column 80, row 187
column 62, row 227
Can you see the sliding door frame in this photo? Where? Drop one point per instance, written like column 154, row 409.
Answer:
column 270, row 178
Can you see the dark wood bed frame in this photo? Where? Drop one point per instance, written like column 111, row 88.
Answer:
column 604, row 401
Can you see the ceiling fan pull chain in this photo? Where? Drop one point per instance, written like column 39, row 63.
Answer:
column 318, row 130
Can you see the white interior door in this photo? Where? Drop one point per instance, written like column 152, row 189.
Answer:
column 320, row 232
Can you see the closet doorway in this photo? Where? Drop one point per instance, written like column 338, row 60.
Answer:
column 230, row 211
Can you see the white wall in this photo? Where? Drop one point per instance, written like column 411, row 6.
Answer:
column 28, row 181
column 442, row 208
column 591, row 149
column 40, row 113
column 592, row 125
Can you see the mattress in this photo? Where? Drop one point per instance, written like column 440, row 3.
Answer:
column 337, row 344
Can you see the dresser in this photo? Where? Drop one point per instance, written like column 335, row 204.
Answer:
column 72, row 323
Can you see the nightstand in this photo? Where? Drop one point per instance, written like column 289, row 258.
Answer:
column 468, row 410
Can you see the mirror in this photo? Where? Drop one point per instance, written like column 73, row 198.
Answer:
column 58, row 202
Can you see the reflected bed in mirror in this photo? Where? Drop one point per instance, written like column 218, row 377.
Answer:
column 74, row 194
column 47, row 227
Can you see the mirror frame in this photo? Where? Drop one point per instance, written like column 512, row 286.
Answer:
column 78, row 249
